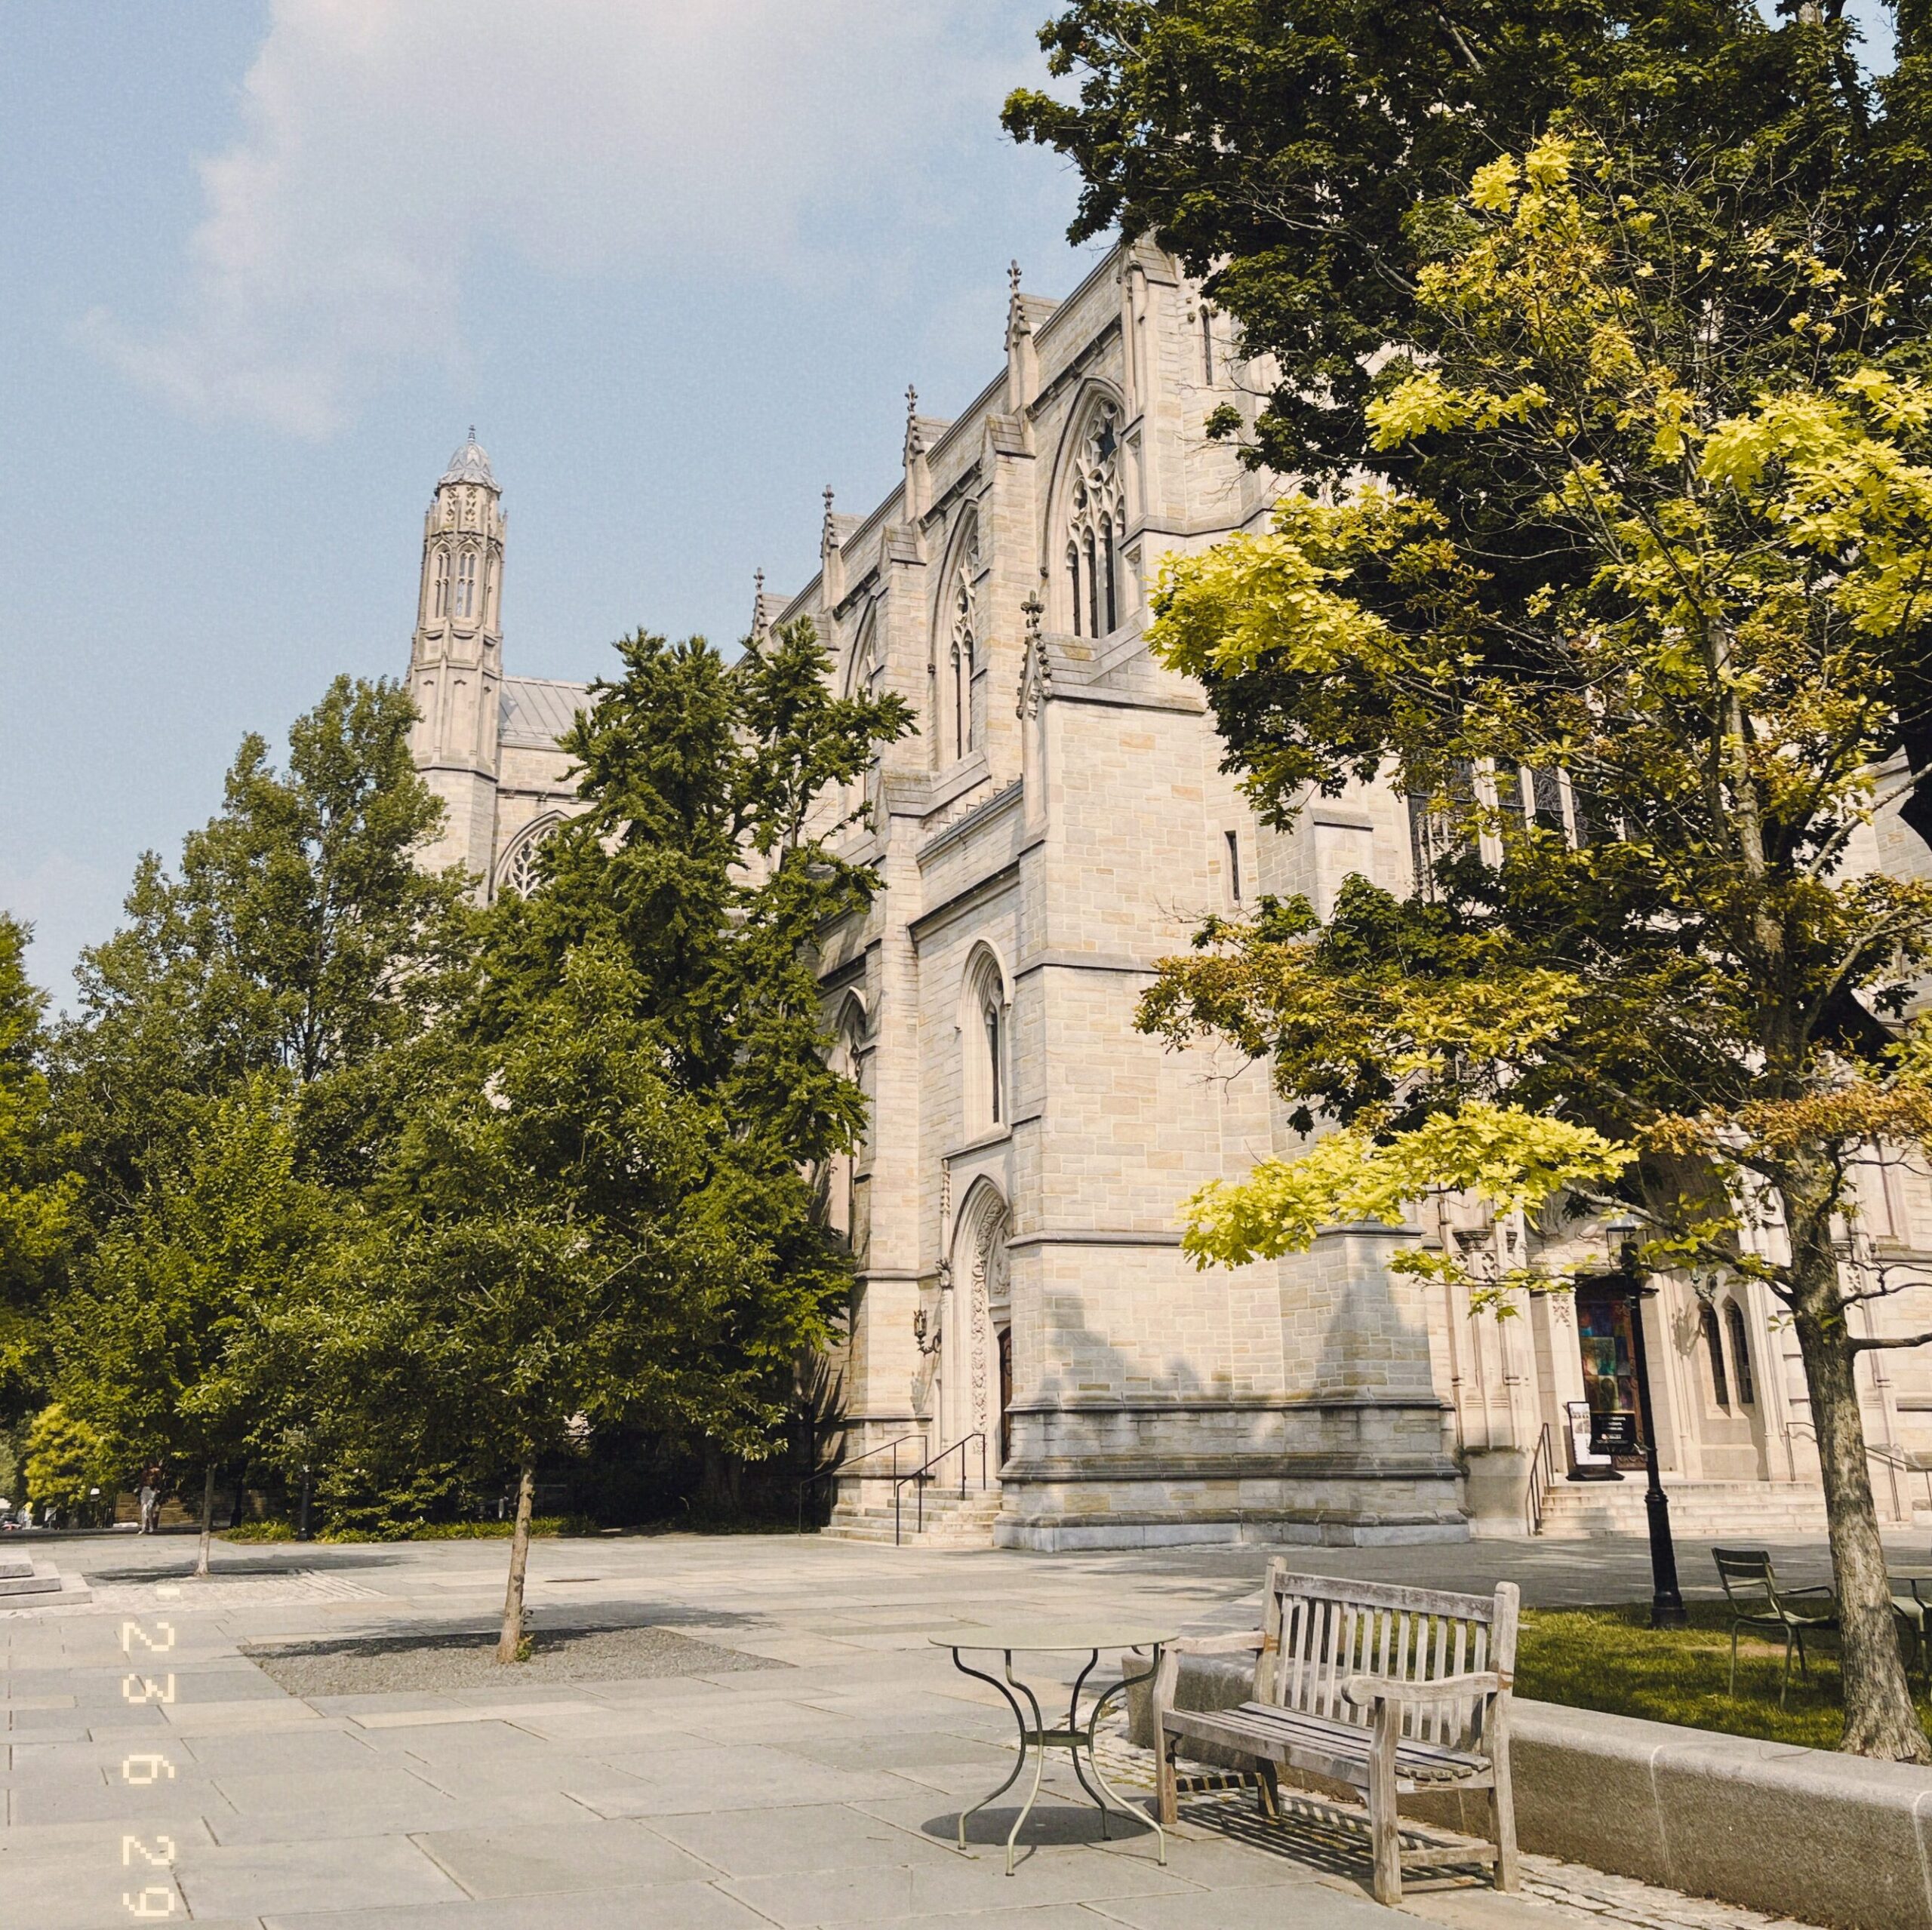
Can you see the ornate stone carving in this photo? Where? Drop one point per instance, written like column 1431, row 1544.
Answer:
column 1036, row 668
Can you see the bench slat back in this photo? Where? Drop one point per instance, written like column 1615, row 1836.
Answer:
column 1319, row 1631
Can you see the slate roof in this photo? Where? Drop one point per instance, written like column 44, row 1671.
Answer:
column 536, row 710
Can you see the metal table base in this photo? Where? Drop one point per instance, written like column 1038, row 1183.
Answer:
column 1075, row 1736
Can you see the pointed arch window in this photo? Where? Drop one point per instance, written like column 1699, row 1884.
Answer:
column 466, row 585
column 1096, row 523
column 996, row 1027
column 861, row 674
column 1740, row 1353
column 841, row 1171
column 964, row 646
column 983, row 1040
column 1720, row 1385
column 520, row 872
column 442, row 605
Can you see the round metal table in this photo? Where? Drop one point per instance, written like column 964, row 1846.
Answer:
column 1058, row 1638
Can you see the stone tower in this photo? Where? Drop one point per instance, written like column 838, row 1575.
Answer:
column 456, row 659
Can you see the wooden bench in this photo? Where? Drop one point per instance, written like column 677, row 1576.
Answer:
column 1395, row 1691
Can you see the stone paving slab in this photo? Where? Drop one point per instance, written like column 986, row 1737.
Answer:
column 560, row 1860
column 822, row 1791
column 779, row 1842
column 259, row 1878
column 657, row 1907
column 800, row 1899
column 1307, row 1907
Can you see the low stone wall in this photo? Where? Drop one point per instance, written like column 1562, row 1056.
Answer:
column 1829, row 1839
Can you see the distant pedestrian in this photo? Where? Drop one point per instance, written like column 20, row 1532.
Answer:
column 149, row 1497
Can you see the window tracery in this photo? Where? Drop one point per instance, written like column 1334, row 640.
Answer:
column 965, row 625
column 442, row 596
column 1096, row 522
column 956, row 656
column 519, row 871
column 466, row 584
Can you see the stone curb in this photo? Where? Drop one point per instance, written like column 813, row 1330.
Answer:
column 1830, row 1839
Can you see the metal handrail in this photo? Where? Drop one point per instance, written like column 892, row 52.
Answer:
column 1542, row 1478
column 842, row 1465
column 1896, row 1461
column 921, row 1475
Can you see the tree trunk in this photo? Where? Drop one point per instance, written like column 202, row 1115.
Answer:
column 1879, row 1718
column 509, row 1642
column 717, row 1483
column 207, row 1520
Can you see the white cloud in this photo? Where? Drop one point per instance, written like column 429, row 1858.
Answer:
column 385, row 143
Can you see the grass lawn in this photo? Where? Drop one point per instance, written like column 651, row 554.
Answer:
column 1612, row 1659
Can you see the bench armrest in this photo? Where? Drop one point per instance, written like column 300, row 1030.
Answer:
column 1251, row 1640
column 1360, row 1688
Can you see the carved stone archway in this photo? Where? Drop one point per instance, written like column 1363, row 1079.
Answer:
column 980, row 1274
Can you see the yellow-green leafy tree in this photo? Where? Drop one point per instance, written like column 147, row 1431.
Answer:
column 1653, row 532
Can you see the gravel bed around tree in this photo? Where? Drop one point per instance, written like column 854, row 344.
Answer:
column 465, row 1660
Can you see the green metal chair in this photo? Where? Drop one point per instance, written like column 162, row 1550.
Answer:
column 1912, row 1609
column 1750, row 1588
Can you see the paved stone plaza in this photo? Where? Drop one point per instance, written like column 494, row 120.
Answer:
column 809, row 1775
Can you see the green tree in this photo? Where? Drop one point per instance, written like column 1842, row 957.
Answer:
column 602, row 1207
column 270, row 996
column 1681, row 999
column 158, row 1346
column 299, row 936
column 68, row 1464
column 1306, row 157
column 39, row 1191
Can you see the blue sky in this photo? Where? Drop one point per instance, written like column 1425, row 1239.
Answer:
column 261, row 266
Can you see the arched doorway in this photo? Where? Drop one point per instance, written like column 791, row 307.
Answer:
column 980, row 1393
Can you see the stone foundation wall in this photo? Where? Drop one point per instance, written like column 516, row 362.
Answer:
column 1135, row 1474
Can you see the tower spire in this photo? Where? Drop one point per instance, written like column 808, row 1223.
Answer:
column 455, row 658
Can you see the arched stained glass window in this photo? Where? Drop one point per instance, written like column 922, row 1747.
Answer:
column 1097, row 521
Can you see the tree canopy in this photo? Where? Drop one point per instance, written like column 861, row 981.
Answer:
column 602, row 1204
column 39, row 1193
column 1645, row 742
column 1307, row 158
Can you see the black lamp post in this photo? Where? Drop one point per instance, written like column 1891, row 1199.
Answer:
column 1666, row 1598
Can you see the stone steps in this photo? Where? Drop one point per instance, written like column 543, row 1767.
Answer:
column 1708, row 1510
column 26, row 1583
column 951, row 1522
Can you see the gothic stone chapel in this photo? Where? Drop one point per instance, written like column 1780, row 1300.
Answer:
column 1059, row 822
